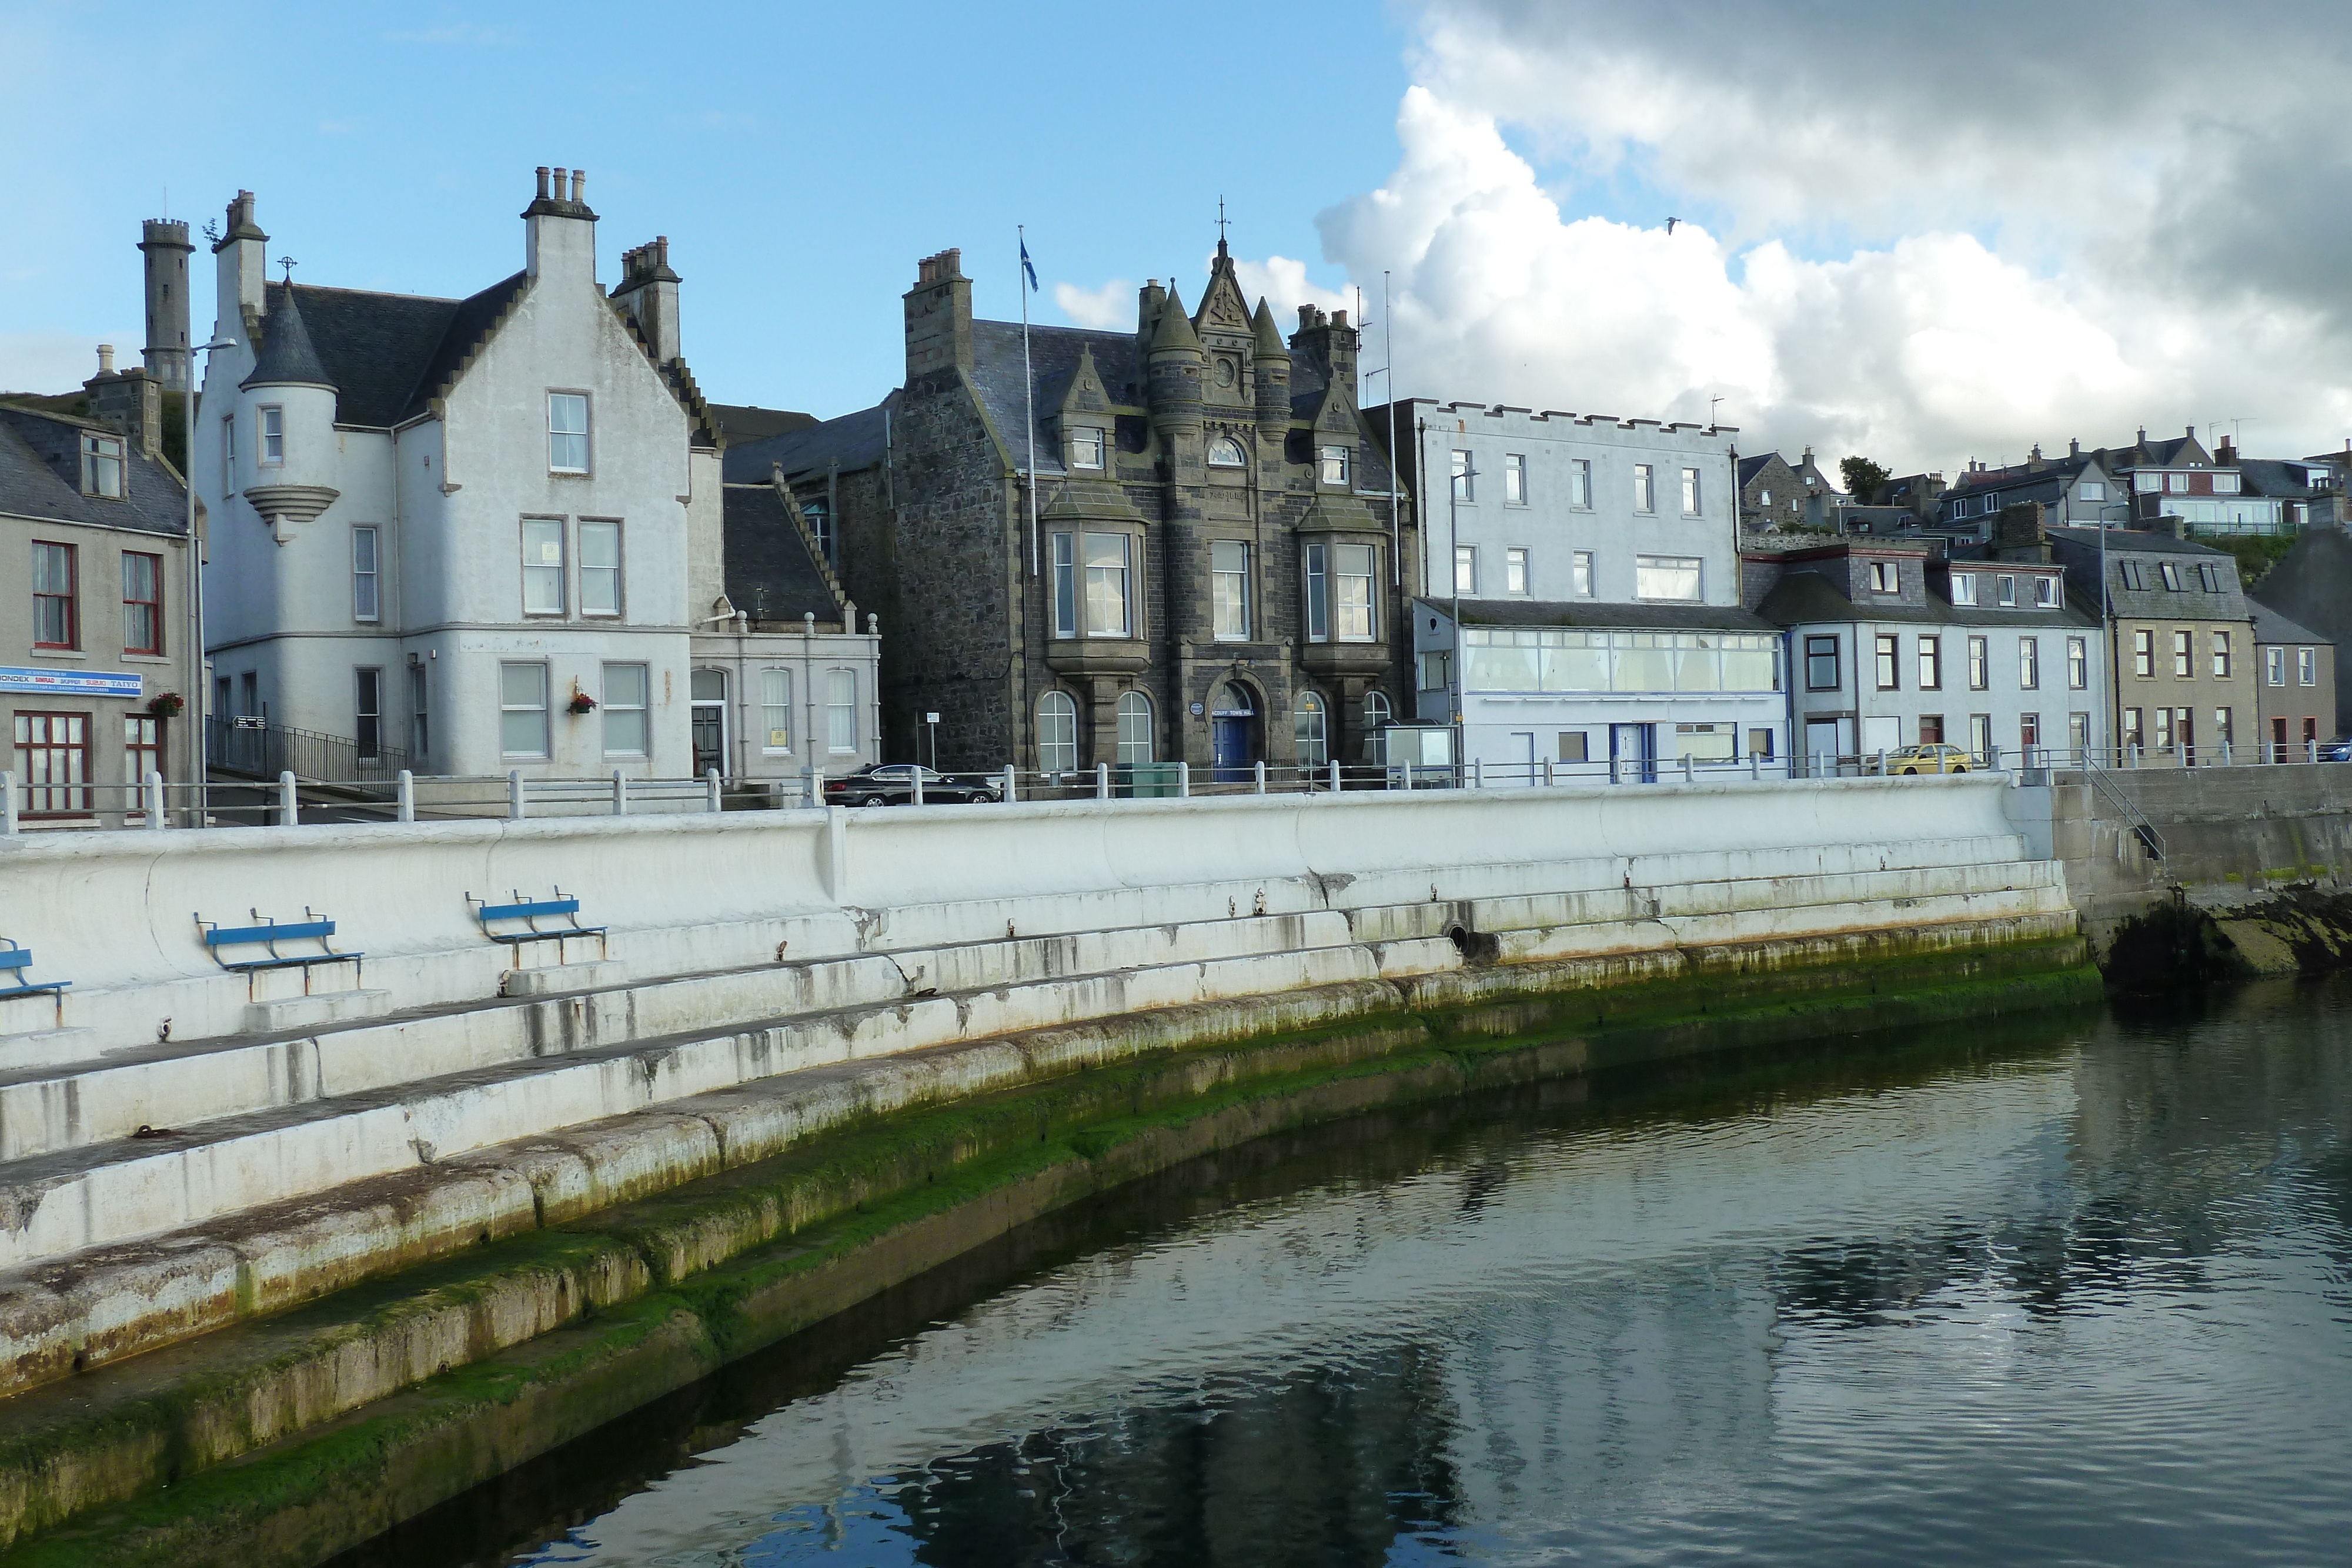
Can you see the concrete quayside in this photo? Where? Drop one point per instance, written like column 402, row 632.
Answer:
column 226, row 1236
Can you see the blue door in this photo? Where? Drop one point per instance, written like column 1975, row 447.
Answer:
column 1232, row 725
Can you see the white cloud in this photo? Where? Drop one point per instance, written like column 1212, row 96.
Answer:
column 1908, row 258
column 1106, row 308
column 1284, row 284
column 58, row 361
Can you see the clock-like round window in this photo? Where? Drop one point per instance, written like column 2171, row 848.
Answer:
column 1224, row 373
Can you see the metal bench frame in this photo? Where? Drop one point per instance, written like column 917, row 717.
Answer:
column 14, row 959
column 268, row 934
column 530, row 911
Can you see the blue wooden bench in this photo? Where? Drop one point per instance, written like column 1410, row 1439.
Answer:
column 13, row 962
column 557, row 906
column 267, row 936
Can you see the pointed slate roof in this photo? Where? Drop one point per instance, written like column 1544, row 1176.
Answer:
column 287, row 358
column 1268, row 335
column 1175, row 329
column 388, row 355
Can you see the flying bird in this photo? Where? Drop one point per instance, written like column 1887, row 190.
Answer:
column 1671, row 223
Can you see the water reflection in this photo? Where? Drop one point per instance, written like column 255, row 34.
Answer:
column 2076, row 1300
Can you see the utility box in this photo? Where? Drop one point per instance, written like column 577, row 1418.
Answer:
column 1145, row 780
column 1427, row 749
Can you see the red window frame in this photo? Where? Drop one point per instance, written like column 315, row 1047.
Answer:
column 142, row 747
column 153, row 606
column 40, row 754
column 71, row 597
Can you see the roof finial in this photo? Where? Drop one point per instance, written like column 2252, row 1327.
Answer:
column 288, row 263
column 1221, row 225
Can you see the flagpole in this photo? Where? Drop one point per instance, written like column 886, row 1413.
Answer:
column 1028, row 392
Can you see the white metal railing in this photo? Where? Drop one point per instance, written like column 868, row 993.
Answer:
column 34, row 805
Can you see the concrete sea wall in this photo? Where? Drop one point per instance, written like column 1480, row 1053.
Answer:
column 194, row 1161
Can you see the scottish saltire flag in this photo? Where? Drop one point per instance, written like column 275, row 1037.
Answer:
column 1027, row 267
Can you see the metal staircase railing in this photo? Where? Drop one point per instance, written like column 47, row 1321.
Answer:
column 2112, row 792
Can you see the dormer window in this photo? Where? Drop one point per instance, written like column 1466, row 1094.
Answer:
column 1332, row 465
column 1086, row 446
column 273, row 437
column 2004, row 590
column 101, row 466
column 2225, row 483
column 2045, row 593
column 567, row 432
column 1964, row 588
column 1226, row 453
column 2170, row 573
column 1885, row 578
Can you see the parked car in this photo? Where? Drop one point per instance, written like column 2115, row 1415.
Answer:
column 2336, row 750
column 1928, row 760
column 893, row 784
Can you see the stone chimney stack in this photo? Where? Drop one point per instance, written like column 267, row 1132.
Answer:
column 130, row 401
column 560, row 231
column 165, row 246
column 241, row 269
column 938, row 316
column 648, row 292
column 1324, row 348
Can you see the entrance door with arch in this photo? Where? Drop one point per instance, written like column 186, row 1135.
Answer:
column 708, row 709
column 1232, row 737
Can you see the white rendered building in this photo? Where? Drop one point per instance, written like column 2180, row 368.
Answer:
column 1594, row 613
column 465, row 533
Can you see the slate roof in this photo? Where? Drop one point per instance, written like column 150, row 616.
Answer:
column 2078, row 550
column 1585, row 612
column 2270, row 476
column 1053, row 358
column 2270, row 626
column 287, row 357
column 749, row 422
column 387, row 354
column 855, row 440
column 1802, row 598
column 40, row 477
column 770, row 573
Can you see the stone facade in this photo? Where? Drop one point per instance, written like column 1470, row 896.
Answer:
column 1771, row 493
column 1088, row 630
column 2182, row 643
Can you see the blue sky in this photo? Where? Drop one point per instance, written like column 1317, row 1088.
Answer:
column 800, row 157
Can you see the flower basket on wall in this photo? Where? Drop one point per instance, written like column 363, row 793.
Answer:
column 580, row 703
column 166, row 704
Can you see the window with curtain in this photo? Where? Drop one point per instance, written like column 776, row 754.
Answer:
column 1109, row 612
column 841, row 710
column 522, row 710
column 142, row 603
column 567, row 432
column 776, row 709
column 1229, row 591
column 543, row 565
column 1057, row 733
column 367, row 600
column 626, row 730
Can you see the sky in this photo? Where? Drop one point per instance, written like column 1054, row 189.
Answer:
column 1926, row 234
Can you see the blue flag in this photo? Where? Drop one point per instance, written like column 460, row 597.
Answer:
column 1026, row 267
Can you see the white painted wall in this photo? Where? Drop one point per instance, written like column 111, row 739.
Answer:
column 1877, row 714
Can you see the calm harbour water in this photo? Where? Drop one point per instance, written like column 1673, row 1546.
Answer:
column 2073, row 1293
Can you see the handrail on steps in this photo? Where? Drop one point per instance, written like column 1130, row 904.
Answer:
column 2144, row 829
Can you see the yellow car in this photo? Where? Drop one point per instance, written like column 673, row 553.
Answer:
column 1928, row 760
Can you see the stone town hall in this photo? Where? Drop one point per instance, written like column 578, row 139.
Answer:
column 1214, row 574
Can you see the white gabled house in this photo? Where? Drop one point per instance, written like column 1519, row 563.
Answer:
column 465, row 533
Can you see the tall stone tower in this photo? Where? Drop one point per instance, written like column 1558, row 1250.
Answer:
column 166, row 247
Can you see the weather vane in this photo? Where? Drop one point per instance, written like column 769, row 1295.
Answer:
column 288, row 263
column 1221, row 220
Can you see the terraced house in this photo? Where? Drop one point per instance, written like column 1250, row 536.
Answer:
column 1209, row 568
column 2181, row 643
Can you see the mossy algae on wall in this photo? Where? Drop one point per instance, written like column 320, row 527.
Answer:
column 643, row 1298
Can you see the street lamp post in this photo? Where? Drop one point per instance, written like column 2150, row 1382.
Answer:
column 199, row 763
column 1454, row 485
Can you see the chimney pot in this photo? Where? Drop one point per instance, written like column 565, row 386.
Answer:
column 106, row 359
column 543, row 182
column 580, row 185
column 1339, row 318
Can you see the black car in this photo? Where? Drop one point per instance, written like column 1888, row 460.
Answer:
column 893, row 784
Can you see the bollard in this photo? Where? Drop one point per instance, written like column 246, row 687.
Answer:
column 407, row 796
column 1257, row 773
column 152, row 788
column 7, row 803
column 1689, row 777
column 514, row 794
column 915, row 784
column 288, row 814
column 1184, row 780
column 1552, row 774
column 1408, row 772
column 1102, row 780
column 1335, row 776
column 710, row 789
column 2312, row 746
column 1011, row 783
column 1881, row 762
column 620, row 793
column 814, row 774
column 1478, row 773
column 1755, row 769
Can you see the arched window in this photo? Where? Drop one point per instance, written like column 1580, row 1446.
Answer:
column 1307, row 728
column 1233, row 699
column 1226, row 453
column 1376, row 711
column 1057, row 733
column 1134, row 728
